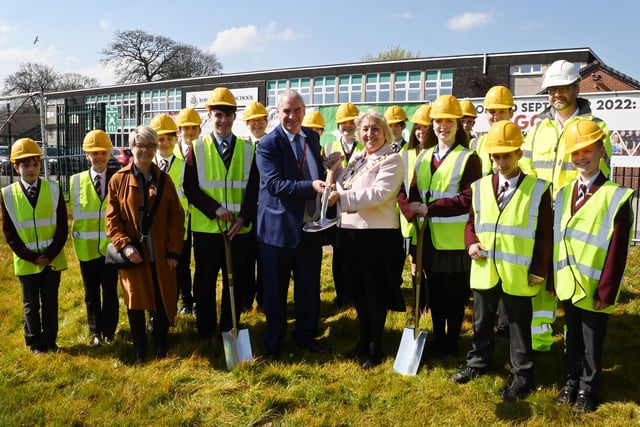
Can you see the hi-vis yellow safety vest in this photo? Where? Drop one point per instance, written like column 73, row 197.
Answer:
column 447, row 233
column 176, row 173
column 226, row 186
column 336, row 146
column 581, row 242
column 409, row 158
column 508, row 235
column 477, row 145
column 88, row 229
column 544, row 155
column 36, row 227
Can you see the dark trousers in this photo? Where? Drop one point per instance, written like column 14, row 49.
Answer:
column 448, row 295
column 159, row 326
column 518, row 316
column 100, row 296
column 209, row 255
column 253, row 290
column 277, row 265
column 183, row 273
column 586, row 331
column 40, row 291
column 371, row 277
column 340, row 262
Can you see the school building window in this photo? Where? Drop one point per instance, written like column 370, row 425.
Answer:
column 437, row 82
column 525, row 70
column 406, row 87
column 324, row 91
column 350, row 88
column 378, row 88
column 274, row 87
column 303, row 87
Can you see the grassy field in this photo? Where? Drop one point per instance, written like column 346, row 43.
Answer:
column 100, row 386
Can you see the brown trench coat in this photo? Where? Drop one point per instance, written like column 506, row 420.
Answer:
column 167, row 230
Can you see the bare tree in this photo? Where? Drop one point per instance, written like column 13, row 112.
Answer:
column 31, row 77
column 141, row 57
column 191, row 62
column 71, row 81
column 393, row 53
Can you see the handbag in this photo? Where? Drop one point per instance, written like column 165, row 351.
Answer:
column 116, row 259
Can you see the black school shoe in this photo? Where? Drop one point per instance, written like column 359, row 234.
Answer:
column 585, row 402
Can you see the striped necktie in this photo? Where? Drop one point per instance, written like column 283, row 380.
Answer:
column 582, row 195
column 31, row 191
column 97, row 183
column 501, row 193
column 164, row 165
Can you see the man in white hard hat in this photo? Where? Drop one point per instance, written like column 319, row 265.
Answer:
column 545, row 156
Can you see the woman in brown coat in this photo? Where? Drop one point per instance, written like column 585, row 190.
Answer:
column 151, row 286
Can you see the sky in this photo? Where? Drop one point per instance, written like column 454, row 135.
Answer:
column 254, row 36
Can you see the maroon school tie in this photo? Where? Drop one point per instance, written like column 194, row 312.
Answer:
column 97, row 183
column 582, row 196
column 501, row 193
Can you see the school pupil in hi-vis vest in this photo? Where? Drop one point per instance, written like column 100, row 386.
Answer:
column 592, row 232
column 508, row 238
column 441, row 192
column 88, row 191
column 34, row 222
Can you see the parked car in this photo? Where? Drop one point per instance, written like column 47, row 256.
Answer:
column 122, row 154
column 5, row 163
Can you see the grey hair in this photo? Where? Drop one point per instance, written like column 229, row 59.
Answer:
column 377, row 117
column 143, row 134
column 290, row 93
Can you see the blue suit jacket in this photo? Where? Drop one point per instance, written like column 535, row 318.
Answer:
column 283, row 190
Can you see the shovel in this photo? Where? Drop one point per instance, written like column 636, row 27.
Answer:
column 237, row 346
column 323, row 223
column 413, row 339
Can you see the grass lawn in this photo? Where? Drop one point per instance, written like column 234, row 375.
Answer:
column 100, row 386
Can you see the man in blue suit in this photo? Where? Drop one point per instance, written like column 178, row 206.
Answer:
column 291, row 177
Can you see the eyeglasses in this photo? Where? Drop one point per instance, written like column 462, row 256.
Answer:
column 559, row 89
column 145, row 146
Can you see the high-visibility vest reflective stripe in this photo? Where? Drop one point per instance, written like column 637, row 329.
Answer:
column 477, row 145
column 409, row 158
column 36, row 227
column 447, row 233
column 544, row 150
column 508, row 235
column 336, row 146
column 176, row 173
column 581, row 242
column 226, row 186
column 88, row 229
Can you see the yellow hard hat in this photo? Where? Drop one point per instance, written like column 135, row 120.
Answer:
column 221, row 96
column 23, row 148
column 346, row 112
column 395, row 114
column 446, row 107
column 96, row 140
column 503, row 137
column 188, row 117
column 313, row 119
column 163, row 124
column 581, row 133
column 468, row 109
column 498, row 98
column 422, row 115
column 254, row 110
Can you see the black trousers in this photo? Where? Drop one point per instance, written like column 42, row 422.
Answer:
column 586, row 331
column 209, row 255
column 159, row 327
column 100, row 296
column 448, row 294
column 518, row 316
column 40, row 292
column 183, row 273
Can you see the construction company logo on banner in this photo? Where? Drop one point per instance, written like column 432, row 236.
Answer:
column 198, row 101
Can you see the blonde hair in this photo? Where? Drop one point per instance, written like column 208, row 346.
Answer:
column 143, row 134
column 380, row 120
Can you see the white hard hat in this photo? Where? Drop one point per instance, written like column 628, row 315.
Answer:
column 561, row 73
